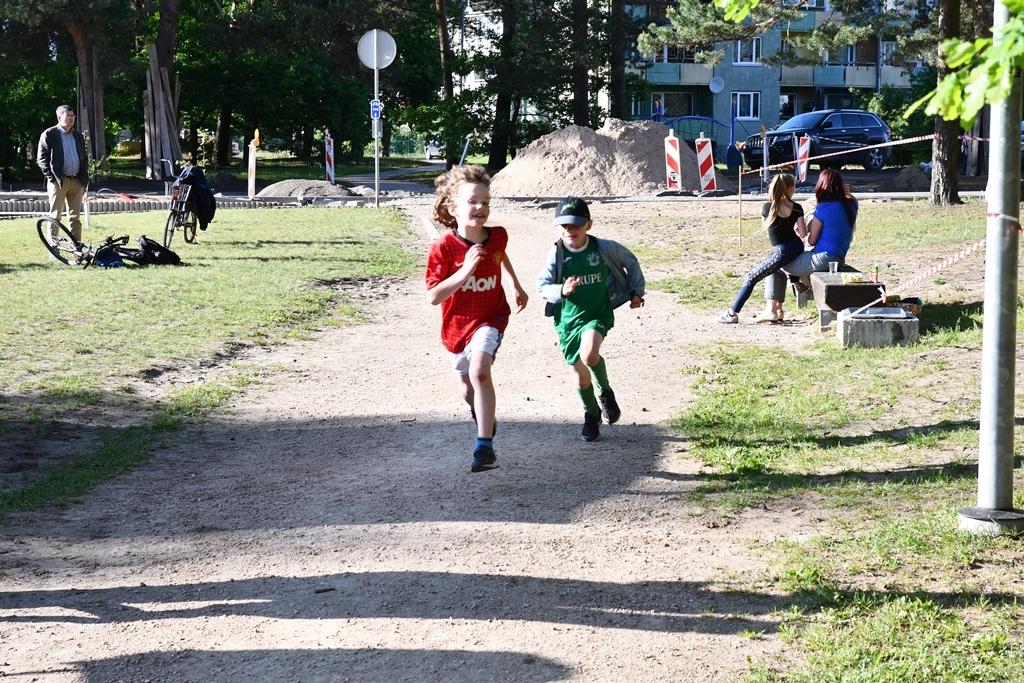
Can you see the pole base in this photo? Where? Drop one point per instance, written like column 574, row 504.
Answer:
column 989, row 521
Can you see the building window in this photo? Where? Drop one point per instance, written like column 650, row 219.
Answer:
column 889, row 57
column 673, row 104
column 683, row 55
column 748, row 105
column 787, row 106
column 747, row 51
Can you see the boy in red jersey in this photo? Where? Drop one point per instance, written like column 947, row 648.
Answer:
column 464, row 272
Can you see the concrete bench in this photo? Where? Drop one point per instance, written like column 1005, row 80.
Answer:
column 832, row 295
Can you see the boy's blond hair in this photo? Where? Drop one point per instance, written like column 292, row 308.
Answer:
column 448, row 185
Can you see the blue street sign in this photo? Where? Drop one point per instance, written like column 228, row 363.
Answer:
column 374, row 109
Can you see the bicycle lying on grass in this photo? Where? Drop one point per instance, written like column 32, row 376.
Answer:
column 111, row 252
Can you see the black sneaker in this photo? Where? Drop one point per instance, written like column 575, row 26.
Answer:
column 483, row 459
column 591, row 427
column 609, row 408
column 494, row 426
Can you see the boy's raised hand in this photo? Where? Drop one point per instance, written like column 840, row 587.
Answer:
column 475, row 254
column 569, row 286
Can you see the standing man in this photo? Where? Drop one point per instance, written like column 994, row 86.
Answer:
column 64, row 161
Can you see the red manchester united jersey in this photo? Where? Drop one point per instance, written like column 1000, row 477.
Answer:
column 481, row 300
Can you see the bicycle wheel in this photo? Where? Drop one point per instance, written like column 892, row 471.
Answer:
column 188, row 226
column 169, row 227
column 63, row 247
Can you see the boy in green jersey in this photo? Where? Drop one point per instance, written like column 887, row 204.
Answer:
column 584, row 280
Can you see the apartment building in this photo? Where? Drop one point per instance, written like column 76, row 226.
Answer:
column 744, row 90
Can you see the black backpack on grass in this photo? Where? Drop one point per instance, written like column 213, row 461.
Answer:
column 157, row 254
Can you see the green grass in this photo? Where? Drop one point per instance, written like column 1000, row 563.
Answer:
column 879, row 447
column 76, row 343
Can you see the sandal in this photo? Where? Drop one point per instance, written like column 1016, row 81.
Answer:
column 767, row 317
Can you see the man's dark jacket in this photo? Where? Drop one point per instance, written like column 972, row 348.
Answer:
column 51, row 156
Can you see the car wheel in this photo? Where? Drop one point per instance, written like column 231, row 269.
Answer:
column 874, row 159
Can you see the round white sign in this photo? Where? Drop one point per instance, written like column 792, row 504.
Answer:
column 377, row 49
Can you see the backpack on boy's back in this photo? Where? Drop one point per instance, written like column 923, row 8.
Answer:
column 157, row 254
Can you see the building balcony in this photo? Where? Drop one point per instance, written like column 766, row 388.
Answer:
column 663, row 72
column 797, row 75
column 896, row 76
column 695, row 74
column 828, row 75
column 861, row 76
column 804, row 23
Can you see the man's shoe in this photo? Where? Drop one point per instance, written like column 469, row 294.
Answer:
column 591, row 427
column 483, row 459
column 609, row 408
column 494, row 427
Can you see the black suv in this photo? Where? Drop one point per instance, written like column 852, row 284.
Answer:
column 830, row 130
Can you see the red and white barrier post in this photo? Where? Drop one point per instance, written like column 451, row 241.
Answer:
column 802, row 159
column 764, row 156
column 705, row 164
column 252, row 163
column 672, row 160
column 329, row 154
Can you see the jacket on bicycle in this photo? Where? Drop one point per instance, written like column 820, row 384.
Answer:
column 200, row 197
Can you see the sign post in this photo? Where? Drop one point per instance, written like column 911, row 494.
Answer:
column 376, row 50
column 252, row 163
column 329, row 157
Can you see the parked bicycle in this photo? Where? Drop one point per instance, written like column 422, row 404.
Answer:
column 180, row 215
column 66, row 249
column 192, row 205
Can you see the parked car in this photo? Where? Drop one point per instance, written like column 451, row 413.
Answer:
column 830, row 130
column 432, row 150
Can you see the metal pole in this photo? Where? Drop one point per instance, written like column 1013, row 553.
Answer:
column 376, row 124
column 994, row 512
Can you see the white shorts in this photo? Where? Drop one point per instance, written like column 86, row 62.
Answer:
column 486, row 339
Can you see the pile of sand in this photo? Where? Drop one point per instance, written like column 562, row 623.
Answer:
column 304, row 188
column 623, row 159
column 910, row 179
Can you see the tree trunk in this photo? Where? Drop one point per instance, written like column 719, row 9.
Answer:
column 580, row 68
column 90, row 117
column 447, row 84
column 224, row 136
column 617, row 64
column 503, row 124
column 166, row 32
column 946, row 145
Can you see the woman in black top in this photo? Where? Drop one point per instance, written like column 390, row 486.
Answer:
column 786, row 230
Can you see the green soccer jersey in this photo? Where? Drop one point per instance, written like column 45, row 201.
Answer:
column 590, row 300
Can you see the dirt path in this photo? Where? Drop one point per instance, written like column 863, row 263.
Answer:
column 327, row 528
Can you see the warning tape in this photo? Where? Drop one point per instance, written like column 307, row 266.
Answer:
column 893, row 143
column 955, row 258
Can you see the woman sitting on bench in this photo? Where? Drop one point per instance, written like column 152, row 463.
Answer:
column 784, row 222
column 829, row 233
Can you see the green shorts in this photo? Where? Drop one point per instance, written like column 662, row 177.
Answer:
column 570, row 340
